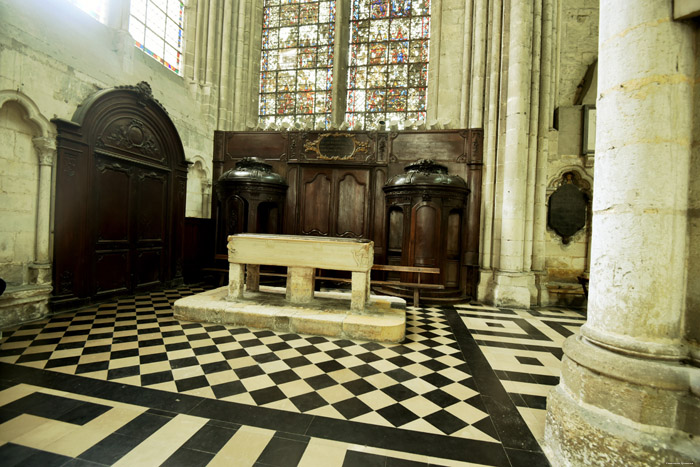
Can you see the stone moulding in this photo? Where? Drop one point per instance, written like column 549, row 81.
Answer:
column 384, row 319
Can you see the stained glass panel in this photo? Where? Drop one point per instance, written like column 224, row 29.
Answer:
column 296, row 71
column 388, row 62
column 156, row 26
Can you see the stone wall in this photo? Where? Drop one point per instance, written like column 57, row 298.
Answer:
column 578, row 52
column 52, row 57
column 19, row 179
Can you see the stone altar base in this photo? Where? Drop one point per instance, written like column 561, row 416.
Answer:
column 383, row 320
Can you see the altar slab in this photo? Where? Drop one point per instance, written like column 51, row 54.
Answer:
column 328, row 314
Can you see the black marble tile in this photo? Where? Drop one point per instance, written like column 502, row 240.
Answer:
column 398, row 392
column 441, row 398
column 230, row 388
column 143, row 426
column 84, row 413
column 188, row 458
column 397, row 414
column 267, row 395
column 527, row 458
column 215, row 367
column 265, row 357
column 330, row 366
column 308, row 401
column 358, row 386
column 249, row 371
column 124, row 353
column 90, row 367
column 154, row 357
column 60, row 362
column 528, row 360
column 282, row 452
column 365, row 370
column 110, row 449
column 284, row 376
column 351, row 408
column 363, row 459
column 210, row 438
column 34, row 357
column 194, row 382
column 183, row 362
column 155, row 378
column 394, row 462
column 14, row 454
column 124, row 372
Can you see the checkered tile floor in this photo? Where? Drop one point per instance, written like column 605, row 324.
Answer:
column 424, row 386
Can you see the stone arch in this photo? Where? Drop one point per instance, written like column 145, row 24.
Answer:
column 44, row 127
column 44, row 147
column 582, row 179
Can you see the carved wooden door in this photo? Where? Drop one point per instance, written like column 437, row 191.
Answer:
column 335, row 202
column 130, row 210
column 120, row 198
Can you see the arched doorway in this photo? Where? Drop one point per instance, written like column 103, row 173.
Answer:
column 120, row 198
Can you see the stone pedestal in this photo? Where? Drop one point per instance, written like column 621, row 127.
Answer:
column 628, row 395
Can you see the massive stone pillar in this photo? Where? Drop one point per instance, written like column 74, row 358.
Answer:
column 628, row 394
column 513, row 283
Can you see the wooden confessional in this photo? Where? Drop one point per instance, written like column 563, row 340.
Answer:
column 336, row 188
column 121, row 182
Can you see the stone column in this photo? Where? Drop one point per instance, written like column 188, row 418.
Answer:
column 626, row 395
column 513, row 284
column 41, row 268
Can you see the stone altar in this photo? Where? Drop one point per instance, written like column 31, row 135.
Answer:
column 297, row 308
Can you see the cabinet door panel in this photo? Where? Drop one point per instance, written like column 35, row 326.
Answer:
column 353, row 191
column 151, row 219
column 112, row 210
column 111, row 272
column 316, row 203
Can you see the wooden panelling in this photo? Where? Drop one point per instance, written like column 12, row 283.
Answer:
column 334, row 191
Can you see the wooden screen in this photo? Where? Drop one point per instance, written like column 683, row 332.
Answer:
column 335, row 188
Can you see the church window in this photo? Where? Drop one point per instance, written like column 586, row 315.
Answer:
column 156, row 26
column 296, row 71
column 387, row 62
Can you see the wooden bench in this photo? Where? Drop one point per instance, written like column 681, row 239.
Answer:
column 416, row 286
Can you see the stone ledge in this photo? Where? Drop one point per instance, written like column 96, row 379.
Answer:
column 20, row 304
column 383, row 320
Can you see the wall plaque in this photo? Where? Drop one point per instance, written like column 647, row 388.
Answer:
column 568, row 209
column 336, row 146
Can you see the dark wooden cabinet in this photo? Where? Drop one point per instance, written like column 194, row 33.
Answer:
column 426, row 226
column 335, row 202
column 120, row 198
column 336, row 182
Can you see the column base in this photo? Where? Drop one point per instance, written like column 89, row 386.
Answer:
column 24, row 303
column 615, row 410
column 514, row 289
column 484, row 292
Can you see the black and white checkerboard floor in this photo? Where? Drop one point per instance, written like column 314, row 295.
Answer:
column 466, row 387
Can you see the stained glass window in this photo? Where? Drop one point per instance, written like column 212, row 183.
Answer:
column 95, row 8
column 156, row 26
column 388, row 62
column 296, row 72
